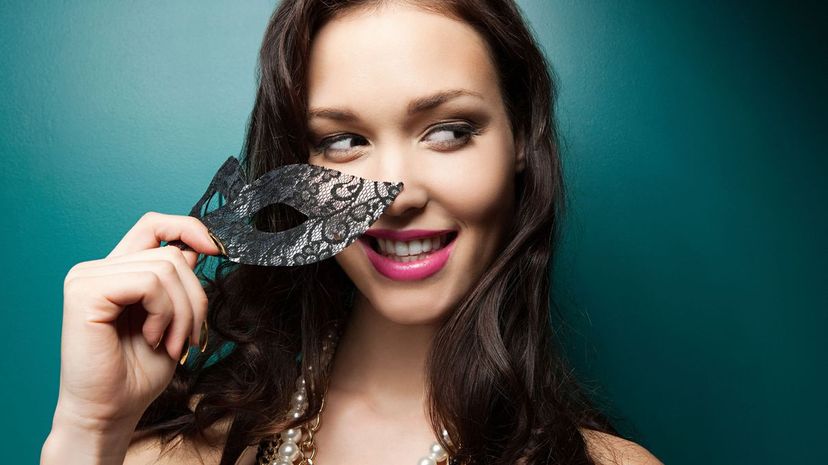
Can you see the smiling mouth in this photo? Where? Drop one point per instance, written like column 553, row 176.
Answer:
column 409, row 251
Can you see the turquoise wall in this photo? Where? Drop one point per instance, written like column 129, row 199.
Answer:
column 693, row 270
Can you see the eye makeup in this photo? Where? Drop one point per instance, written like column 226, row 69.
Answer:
column 467, row 130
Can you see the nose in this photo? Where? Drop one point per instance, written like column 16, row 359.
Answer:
column 408, row 202
column 402, row 166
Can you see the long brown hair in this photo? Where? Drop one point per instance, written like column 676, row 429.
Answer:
column 497, row 377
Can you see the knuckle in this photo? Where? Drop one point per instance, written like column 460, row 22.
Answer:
column 201, row 300
column 166, row 268
column 173, row 253
column 148, row 216
column 151, row 280
column 200, row 304
column 70, row 285
column 71, row 274
column 70, row 281
column 80, row 266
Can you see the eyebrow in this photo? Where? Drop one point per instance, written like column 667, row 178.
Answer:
column 418, row 105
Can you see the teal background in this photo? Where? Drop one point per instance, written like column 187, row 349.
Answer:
column 693, row 270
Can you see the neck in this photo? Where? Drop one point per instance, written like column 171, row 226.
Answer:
column 381, row 362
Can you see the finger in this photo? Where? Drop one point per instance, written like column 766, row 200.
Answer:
column 181, row 324
column 192, row 256
column 192, row 285
column 155, row 227
column 129, row 287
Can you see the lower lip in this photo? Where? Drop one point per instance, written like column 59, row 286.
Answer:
column 409, row 271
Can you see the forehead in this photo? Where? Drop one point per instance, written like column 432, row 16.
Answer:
column 397, row 52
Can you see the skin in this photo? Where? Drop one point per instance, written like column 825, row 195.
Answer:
column 373, row 65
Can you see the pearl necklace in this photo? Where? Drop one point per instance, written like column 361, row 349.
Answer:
column 297, row 443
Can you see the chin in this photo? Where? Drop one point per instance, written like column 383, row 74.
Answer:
column 407, row 313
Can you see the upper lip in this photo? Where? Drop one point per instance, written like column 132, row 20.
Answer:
column 405, row 234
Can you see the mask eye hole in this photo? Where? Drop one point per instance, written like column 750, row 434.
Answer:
column 278, row 217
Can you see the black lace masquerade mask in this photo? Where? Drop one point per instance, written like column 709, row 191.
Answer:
column 339, row 208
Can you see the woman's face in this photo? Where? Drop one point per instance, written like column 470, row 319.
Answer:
column 402, row 94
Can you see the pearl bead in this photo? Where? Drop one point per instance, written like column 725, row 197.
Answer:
column 282, row 461
column 426, row 461
column 292, row 434
column 299, row 398
column 289, row 449
column 300, row 383
column 437, row 452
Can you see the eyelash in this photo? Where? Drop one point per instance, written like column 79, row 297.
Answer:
column 467, row 129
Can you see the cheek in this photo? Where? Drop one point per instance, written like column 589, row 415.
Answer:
column 478, row 198
column 477, row 188
column 355, row 264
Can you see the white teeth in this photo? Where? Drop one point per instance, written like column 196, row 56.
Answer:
column 407, row 258
column 411, row 250
column 401, row 248
column 426, row 244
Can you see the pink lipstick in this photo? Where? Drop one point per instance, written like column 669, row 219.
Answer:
column 429, row 264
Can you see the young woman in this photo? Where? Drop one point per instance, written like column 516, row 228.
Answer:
column 444, row 347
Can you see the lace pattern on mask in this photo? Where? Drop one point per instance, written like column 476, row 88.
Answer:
column 339, row 208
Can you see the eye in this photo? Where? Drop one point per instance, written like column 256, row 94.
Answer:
column 450, row 136
column 340, row 143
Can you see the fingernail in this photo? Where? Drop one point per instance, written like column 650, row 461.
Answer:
column 185, row 351
column 218, row 243
column 202, row 338
column 158, row 343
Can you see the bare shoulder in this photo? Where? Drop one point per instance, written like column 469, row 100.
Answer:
column 607, row 449
column 148, row 450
